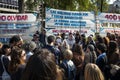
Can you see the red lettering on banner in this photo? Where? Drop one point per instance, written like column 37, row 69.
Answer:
column 107, row 17
column 3, row 18
column 14, row 17
column 119, row 18
column 112, row 17
column 9, row 18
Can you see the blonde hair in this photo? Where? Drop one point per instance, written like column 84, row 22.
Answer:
column 92, row 72
column 67, row 53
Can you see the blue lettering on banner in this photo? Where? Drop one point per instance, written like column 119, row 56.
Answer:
column 53, row 11
column 69, row 18
column 4, row 40
column 58, row 16
column 66, row 24
column 66, row 21
column 72, row 23
column 63, row 13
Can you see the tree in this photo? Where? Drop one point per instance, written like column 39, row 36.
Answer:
column 74, row 5
column 21, row 6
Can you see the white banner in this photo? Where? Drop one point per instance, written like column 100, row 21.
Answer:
column 85, row 30
column 17, row 18
column 109, row 17
column 62, row 18
column 104, row 30
column 69, row 23
column 62, row 14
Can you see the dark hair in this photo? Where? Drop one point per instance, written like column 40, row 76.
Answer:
column 16, row 54
column 113, row 53
column 102, row 47
column 91, row 47
column 41, row 66
column 112, row 46
column 100, row 39
column 78, row 49
column 15, row 38
column 5, row 46
column 50, row 39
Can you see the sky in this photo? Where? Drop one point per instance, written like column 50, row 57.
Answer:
column 111, row 1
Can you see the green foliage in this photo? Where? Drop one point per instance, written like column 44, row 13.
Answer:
column 73, row 5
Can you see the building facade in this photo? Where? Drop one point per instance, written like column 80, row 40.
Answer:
column 9, row 6
column 115, row 7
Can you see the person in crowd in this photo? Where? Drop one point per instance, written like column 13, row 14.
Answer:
column 92, row 72
column 64, row 43
column 51, row 47
column 90, row 56
column 42, row 37
column 17, row 63
column 102, row 58
column 84, row 42
column 37, row 32
column 106, row 41
column 108, row 35
column 68, row 65
column 99, row 39
column 91, row 41
column 63, row 47
column 37, row 42
column 78, row 59
column 63, row 36
column 112, row 69
column 118, row 41
column 1, row 45
column 29, row 47
column 70, row 40
column 113, row 37
column 6, row 50
column 5, row 63
column 58, row 40
column 16, row 40
column 113, row 52
column 42, row 66
column 77, row 40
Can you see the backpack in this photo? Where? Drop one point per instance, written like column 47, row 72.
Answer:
column 5, row 75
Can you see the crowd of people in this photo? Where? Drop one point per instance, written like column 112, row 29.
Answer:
column 61, row 57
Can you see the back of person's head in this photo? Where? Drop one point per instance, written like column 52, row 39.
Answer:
column 50, row 39
column 68, row 54
column 78, row 49
column 29, row 45
column 113, row 46
column 63, row 35
column 100, row 39
column 102, row 47
column 4, row 49
column 18, row 57
column 77, row 39
column 92, row 72
column 40, row 66
column 113, row 52
column 91, row 47
column 113, row 37
column 106, row 40
column 16, row 40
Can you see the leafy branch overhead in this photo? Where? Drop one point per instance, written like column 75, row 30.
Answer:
column 73, row 5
